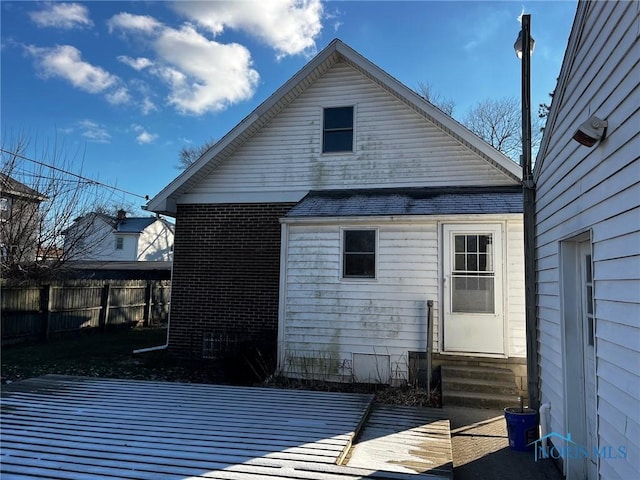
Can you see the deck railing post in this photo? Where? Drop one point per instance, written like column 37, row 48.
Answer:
column 148, row 299
column 45, row 308
column 104, row 306
column 429, row 340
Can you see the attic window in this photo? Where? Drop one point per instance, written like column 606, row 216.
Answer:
column 337, row 130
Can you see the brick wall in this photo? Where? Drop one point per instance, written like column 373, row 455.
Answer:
column 226, row 275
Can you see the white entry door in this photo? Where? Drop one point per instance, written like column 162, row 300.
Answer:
column 473, row 315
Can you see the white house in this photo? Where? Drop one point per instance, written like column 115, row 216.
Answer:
column 332, row 215
column 99, row 237
column 588, row 245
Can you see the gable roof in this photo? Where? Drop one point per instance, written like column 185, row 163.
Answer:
column 409, row 201
column 134, row 224
column 165, row 201
column 126, row 225
column 12, row 187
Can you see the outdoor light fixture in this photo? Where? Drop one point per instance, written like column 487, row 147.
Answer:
column 519, row 48
column 591, row 131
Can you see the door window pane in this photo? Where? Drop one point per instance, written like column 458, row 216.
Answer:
column 473, row 278
column 473, row 295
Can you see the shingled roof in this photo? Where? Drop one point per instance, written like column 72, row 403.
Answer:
column 409, row 201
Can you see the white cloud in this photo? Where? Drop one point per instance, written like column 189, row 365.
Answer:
column 139, row 63
column 119, row 96
column 65, row 61
column 147, row 106
column 94, row 132
column 62, row 15
column 143, row 137
column 129, row 22
column 288, row 26
column 202, row 75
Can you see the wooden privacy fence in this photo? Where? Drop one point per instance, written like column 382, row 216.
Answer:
column 35, row 311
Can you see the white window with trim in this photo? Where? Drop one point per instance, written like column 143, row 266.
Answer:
column 359, row 253
column 337, row 129
column 119, row 243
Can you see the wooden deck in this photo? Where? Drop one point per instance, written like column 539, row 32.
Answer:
column 61, row 427
column 405, row 439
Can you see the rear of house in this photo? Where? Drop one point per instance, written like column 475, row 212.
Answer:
column 324, row 224
column 588, row 247
column 100, row 237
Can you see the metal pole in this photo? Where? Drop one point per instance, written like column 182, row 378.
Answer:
column 529, row 220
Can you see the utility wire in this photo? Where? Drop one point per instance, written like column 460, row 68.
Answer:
column 88, row 180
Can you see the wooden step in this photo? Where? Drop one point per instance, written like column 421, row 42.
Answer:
column 479, row 385
column 479, row 400
column 485, row 373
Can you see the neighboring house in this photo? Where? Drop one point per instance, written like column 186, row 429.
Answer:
column 588, row 246
column 19, row 221
column 100, row 237
column 326, row 221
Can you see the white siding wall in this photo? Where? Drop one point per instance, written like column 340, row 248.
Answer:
column 514, row 291
column 97, row 242
column 155, row 243
column 394, row 146
column 327, row 319
column 597, row 190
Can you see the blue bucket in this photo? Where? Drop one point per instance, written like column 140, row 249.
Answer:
column 522, row 428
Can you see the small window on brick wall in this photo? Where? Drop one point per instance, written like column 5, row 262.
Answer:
column 359, row 254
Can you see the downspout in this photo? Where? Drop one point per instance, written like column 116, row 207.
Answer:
column 166, row 344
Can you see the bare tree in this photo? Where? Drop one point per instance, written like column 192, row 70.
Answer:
column 190, row 154
column 499, row 123
column 39, row 200
column 425, row 90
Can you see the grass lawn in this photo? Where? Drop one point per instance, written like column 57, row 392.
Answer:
column 97, row 355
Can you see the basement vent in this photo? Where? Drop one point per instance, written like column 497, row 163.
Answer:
column 214, row 345
column 369, row 368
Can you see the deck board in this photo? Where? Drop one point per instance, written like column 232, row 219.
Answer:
column 62, row 427
column 405, row 439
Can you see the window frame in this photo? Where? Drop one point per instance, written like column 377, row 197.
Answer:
column 324, row 130
column 343, row 254
column 119, row 242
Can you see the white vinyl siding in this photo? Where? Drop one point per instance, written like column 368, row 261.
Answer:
column 394, row 147
column 514, row 291
column 597, row 190
column 326, row 319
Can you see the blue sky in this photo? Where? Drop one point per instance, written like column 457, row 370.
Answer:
column 128, row 84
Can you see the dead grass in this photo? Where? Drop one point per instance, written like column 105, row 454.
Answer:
column 110, row 355
column 402, row 395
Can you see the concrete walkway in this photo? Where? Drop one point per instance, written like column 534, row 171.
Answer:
column 481, row 449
